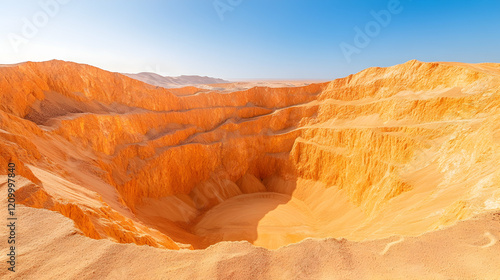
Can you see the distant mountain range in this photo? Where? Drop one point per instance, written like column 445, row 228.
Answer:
column 174, row 82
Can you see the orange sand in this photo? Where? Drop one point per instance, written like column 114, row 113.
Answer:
column 387, row 161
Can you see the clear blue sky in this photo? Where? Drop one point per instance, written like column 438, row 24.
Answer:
column 272, row 39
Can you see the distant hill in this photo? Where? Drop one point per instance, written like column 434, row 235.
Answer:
column 173, row 82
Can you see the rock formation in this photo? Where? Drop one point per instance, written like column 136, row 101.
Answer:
column 403, row 150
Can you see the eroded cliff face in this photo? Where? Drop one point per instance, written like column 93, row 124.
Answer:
column 399, row 150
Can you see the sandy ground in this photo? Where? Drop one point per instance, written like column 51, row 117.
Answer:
column 50, row 247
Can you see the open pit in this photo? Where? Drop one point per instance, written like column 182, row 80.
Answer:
column 402, row 150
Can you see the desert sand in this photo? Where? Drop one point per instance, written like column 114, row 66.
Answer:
column 388, row 173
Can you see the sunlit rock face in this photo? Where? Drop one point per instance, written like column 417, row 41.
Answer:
column 402, row 150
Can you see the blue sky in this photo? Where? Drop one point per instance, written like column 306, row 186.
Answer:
column 252, row 39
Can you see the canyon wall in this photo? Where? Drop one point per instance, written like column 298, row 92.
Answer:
column 399, row 150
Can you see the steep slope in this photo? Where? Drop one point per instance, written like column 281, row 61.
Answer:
column 402, row 150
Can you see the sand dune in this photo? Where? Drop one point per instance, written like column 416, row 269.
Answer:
column 388, row 172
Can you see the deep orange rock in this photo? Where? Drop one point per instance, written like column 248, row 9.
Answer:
column 398, row 150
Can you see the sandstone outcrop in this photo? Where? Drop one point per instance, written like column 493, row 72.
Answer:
column 402, row 150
